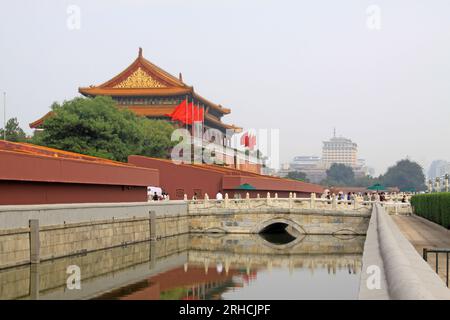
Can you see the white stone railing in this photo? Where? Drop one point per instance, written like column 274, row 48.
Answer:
column 292, row 202
column 392, row 267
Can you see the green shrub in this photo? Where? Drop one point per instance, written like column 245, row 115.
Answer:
column 434, row 207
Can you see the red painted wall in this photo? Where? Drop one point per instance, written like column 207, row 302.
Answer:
column 182, row 177
column 16, row 166
column 25, row 192
column 33, row 178
column 209, row 179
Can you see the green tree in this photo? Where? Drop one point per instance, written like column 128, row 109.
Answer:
column 14, row 132
column 298, row 175
column 94, row 127
column 406, row 175
column 339, row 174
column 157, row 138
column 364, row 181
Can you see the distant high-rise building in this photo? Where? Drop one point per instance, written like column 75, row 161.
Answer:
column 304, row 162
column 312, row 166
column 336, row 150
column 340, row 150
column 438, row 168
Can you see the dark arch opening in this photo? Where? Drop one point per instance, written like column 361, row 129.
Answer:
column 277, row 233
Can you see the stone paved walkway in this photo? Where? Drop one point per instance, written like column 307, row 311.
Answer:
column 423, row 234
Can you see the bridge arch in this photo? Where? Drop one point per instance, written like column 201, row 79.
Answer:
column 278, row 246
column 215, row 230
column 264, row 225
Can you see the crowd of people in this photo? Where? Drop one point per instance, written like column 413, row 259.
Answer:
column 340, row 196
column 154, row 196
column 366, row 196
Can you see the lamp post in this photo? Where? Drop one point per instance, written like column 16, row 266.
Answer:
column 4, row 115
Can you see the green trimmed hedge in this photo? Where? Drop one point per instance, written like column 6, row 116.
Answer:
column 433, row 206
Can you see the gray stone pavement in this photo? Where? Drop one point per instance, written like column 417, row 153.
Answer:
column 422, row 233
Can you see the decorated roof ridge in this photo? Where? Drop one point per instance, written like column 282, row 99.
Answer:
column 145, row 78
column 146, row 110
column 159, row 77
column 220, row 123
column 38, row 122
column 117, row 92
column 206, row 101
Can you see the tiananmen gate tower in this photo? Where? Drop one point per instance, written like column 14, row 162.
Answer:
column 149, row 91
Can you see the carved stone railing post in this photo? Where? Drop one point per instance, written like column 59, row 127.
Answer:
column 334, row 203
column 290, row 200
column 438, row 184
column 430, row 186
column 258, row 196
column 247, row 199
column 225, row 201
column 446, row 178
column 185, row 197
column 268, row 198
column 313, row 201
column 206, row 200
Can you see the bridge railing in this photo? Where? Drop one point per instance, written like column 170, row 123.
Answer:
column 292, row 202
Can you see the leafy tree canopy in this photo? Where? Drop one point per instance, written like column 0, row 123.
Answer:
column 14, row 132
column 365, row 181
column 298, row 175
column 157, row 138
column 406, row 175
column 95, row 126
column 340, row 174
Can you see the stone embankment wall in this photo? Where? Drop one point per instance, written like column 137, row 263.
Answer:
column 304, row 221
column 101, row 270
column 392, row 268
column 43, row 232
column 30, row 234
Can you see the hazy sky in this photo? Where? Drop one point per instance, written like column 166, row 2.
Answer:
column 301, row 66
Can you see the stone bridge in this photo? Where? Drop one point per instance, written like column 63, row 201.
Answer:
column 252, row 252
column 295, row 215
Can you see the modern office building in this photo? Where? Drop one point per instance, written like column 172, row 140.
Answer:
column 312, row 166
column 336, row 150
column 340, row 150
column 438, row 168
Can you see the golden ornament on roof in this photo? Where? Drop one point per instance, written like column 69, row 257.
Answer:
column 140, row 79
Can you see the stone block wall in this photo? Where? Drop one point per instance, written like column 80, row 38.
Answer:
column 66, row 230
column 85, row 237
column 14, row 247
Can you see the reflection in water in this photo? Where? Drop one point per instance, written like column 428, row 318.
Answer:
column 192, row 267
column 278, row 238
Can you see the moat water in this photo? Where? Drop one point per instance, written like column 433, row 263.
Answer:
column 193, row 267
